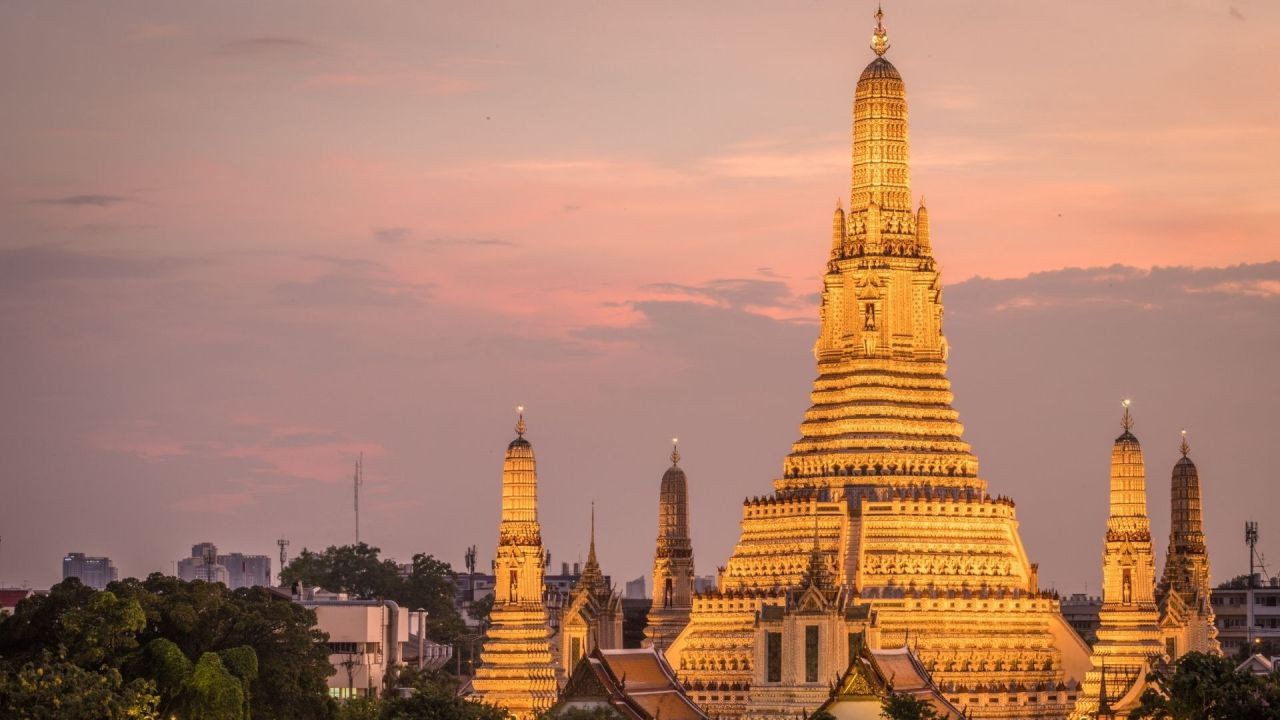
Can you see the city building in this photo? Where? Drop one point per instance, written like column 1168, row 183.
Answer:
column 673, row 574
column 10, row 597
column 1081, row 613
column 235, row 570
column 1129, row 633
column 1248, row 615
column 203, row 564
column 635, row 589
column 246, row 570
column 95, row 572
column 880, row 522
column 516, row 670
column 366, row 639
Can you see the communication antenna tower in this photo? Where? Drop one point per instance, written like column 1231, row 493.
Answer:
column 283, row 543
column 1251, row 539
column 358, row 482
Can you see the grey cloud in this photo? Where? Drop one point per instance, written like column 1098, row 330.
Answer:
column 391, row 235
column 735, row 292
column 351, row 289
column 85, row 200
column 1234, row 12
column 32, row 265
column 472, row 242
column 266, row 45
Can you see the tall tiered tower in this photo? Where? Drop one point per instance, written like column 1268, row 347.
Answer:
column 672, row 560
column 1129, row 635
column 1183, row 593
column 917, row 548
column 516, row 671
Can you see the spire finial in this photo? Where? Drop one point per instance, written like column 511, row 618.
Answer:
column 520, row 426
column 1184, row 447
column 675, row 451
column 593, row 527
column 1127, row 422
column 880, row 40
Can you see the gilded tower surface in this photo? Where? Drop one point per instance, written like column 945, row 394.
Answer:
column 672, row 559
column 1129, row 636
column 516, row 672
column 1187, row 616
column 880, row 493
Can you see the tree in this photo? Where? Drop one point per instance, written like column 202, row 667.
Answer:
column 53, row 688
column 160, row 630
column 901, row 706
column 480, row 611
column 356, row 569
column 1201, row 686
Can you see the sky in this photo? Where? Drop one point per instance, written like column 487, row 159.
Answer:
column 242, row 243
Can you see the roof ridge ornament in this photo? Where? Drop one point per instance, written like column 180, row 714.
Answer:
column 880, row 39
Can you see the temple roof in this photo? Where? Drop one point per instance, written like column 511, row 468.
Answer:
column 879, row 68
column 638, row 684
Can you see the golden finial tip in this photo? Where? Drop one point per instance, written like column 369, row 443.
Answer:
column 1127, row 422
column 675, row 451
column 880, row 38
column 1126, row 402
column 520, row 426
column 1185, row 447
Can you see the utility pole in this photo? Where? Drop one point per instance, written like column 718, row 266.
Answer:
column 358, row 482
column 283, row 543
column 1250, row 539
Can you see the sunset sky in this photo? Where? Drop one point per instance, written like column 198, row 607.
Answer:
column 243, row 242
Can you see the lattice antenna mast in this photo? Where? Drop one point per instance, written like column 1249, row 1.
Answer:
column 284, row 556
column 358, row 482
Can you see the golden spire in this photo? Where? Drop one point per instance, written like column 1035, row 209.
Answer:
column 1184, row 447
column 675, row 451
column 1127, row 422
column 520, row 426
column 880, row 40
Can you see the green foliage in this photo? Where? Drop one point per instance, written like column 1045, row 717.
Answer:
column 213, row 693
column 52, row 688
column 438, row 701
column 1207, row 687
column 361, row 708
column 358, row 571
column 901, row 706
column 822, row 715
column 153, row 630
column 480, row 611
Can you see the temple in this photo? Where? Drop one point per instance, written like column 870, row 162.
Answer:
column 1129, row 637
column 672, row 560
column 516, row 669
column 592, row 618
column 1186, row 615
column 880, row 526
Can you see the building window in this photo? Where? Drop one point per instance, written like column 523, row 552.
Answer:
column 773, row 651
column 811, row 653
column 1171, row 647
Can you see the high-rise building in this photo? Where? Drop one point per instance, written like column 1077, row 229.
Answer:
column 880, row 497
column 235, row 570
column 672, row 559
column 95, row 572
column 1129, row 637
column 516, row 670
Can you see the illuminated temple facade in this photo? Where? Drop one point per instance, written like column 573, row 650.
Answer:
column 516, row 670
column 880, row 529
column 672, row 560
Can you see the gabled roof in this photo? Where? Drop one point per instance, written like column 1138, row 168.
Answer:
column 870, row 677
column 1257, row 664
column 639, row 684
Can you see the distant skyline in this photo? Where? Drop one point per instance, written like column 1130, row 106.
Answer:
column 242, row 244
